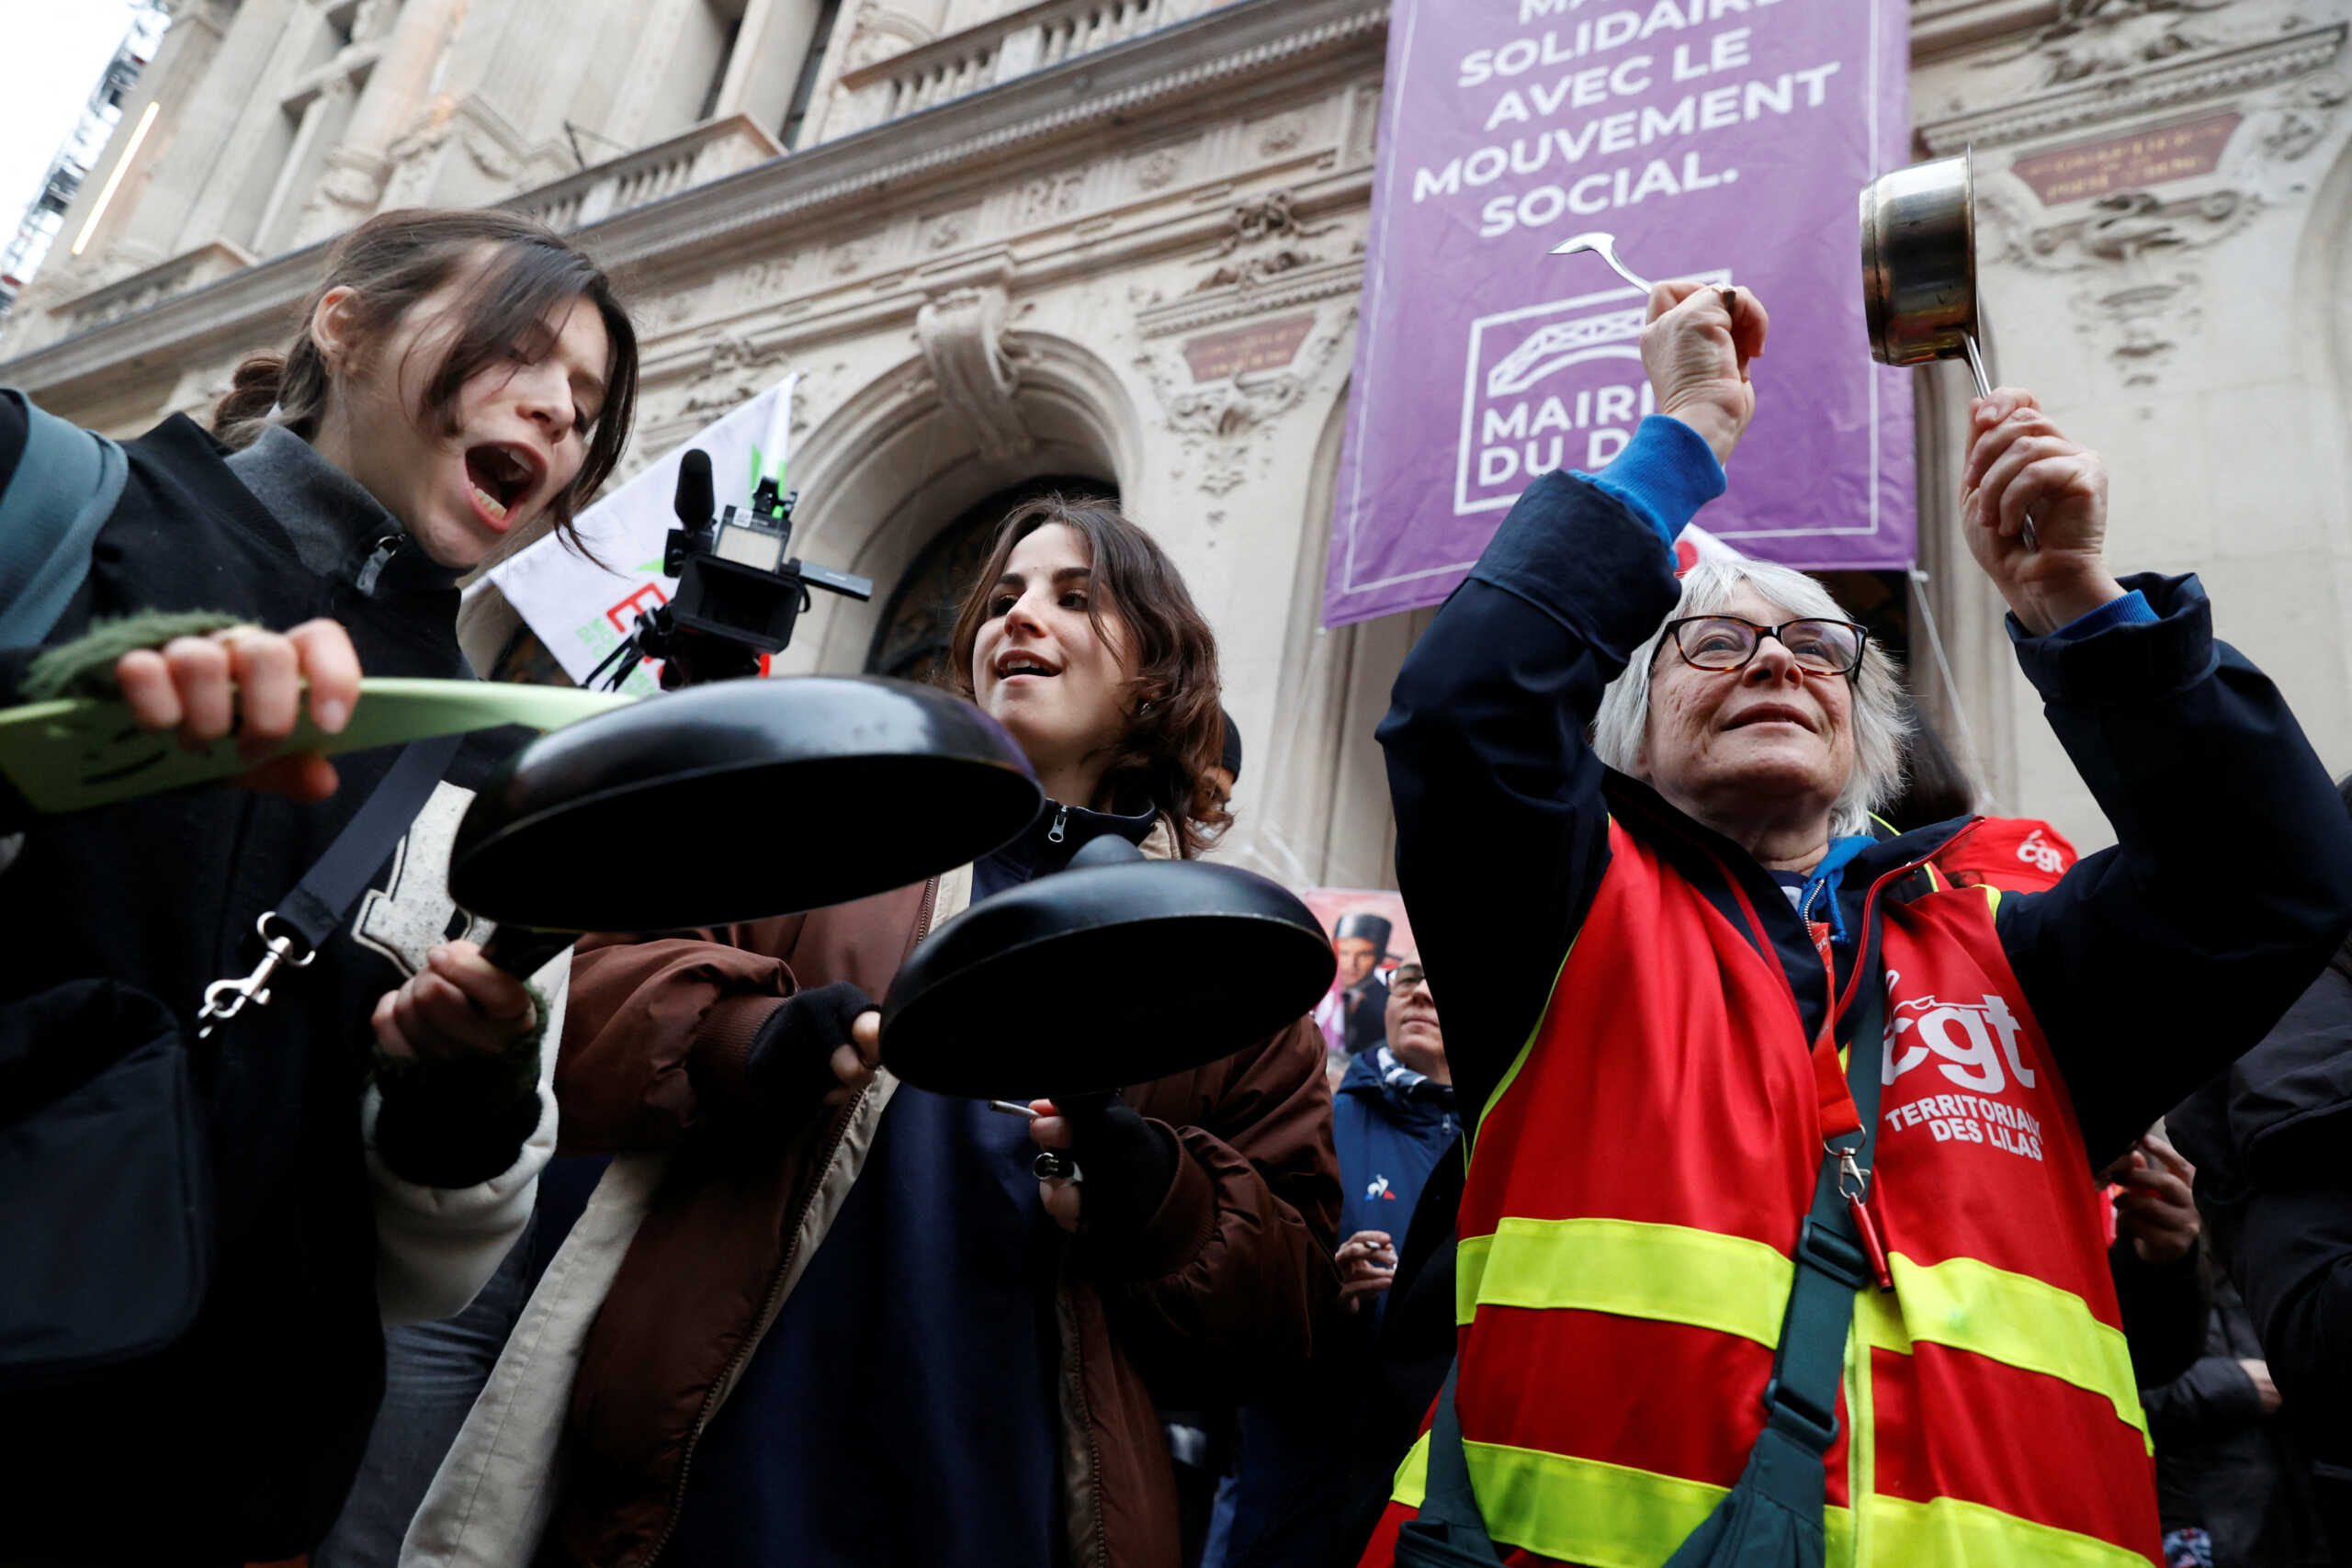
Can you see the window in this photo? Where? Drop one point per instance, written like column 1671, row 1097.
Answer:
column 805, row 88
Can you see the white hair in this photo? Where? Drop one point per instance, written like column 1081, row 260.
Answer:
column 1880, row 723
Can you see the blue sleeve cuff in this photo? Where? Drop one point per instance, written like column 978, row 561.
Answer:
column 2132, row 610
column 1666, row 473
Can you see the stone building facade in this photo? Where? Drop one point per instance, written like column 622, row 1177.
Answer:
column 1118, row 243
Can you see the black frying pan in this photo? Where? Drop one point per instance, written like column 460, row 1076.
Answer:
column 1096, row 977
column 735, row 801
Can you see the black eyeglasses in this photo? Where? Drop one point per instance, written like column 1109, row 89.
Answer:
column 1406, row 980
column 1727, row 642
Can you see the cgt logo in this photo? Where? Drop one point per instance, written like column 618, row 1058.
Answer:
column 1550, row 387
column 1970, row 1041
column 2041, row 853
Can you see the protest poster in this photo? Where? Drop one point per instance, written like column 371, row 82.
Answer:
column 1370, row 937
column 583, row 607
column 1719, row 139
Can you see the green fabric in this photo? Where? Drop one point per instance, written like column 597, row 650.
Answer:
column 85, row 667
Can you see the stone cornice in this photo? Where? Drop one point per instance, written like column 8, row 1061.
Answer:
column 1946, row 27
column 1191, row 312
column 2143, row 91
column 1227, row 46
column 1249, row 43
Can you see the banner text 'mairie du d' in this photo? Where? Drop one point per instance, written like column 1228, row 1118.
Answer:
column 1548, row 93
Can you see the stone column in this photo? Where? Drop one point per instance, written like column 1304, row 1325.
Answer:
column 204, row 76
column 352, row 181
column 770, row 49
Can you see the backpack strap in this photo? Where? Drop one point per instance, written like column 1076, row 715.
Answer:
column 65, row 486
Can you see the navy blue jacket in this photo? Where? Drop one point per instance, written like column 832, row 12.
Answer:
column 1391, row 1126
column 2151, row 965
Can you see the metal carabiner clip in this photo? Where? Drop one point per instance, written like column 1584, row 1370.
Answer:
column 226, row 998
column 1853, row 1184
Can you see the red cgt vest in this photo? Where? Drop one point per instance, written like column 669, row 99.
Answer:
column 1637, row 1183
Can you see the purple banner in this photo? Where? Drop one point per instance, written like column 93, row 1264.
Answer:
column 1716, row 139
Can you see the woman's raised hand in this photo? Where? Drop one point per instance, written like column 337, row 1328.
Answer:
column 250, row 681
column 1696, row 351
column 2018, row 463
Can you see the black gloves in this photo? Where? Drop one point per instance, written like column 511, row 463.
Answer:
column 790, row 1064
column 1127, row 1164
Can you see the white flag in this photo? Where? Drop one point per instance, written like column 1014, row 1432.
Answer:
column 581, row 610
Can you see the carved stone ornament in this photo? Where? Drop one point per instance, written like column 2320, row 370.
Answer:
column 2305, row 115
column 2133, row 252
column 2092, row 37
column 946, row 230
column 1255, row 225
column 1157, row 169
column 1221, row 418
column 1280, row 134
column 2132, row 226
column 975, row 370
column 878, row 33
column 734, row 373
column 1272, row 217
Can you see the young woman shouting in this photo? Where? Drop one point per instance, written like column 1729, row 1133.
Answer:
column 457, row 376
column 854, row 1328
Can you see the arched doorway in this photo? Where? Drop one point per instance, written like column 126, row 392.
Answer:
column 912, row 637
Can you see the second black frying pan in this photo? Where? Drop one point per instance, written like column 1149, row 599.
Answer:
column 1098, row 978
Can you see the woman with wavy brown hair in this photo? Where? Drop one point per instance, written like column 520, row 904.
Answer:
column 853, row 1327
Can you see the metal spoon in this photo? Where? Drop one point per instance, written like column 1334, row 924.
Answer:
column 1605, row 246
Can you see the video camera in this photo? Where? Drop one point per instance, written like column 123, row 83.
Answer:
column 739, row 592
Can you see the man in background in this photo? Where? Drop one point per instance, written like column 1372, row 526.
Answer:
column 1393, row 1121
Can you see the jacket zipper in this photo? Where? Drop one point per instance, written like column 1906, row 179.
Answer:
column 1074, row 1374
column 386, row 547
column 1061, row 824
column 771, row 1304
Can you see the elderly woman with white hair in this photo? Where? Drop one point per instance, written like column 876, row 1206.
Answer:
column 1779, row 1238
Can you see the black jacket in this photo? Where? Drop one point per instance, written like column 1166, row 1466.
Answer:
column 240, row 1442
column 2272, row 1143
column 2222, row 1464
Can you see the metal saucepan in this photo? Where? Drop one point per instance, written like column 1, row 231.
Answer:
column 1919, row 270
column 1091, row 979
column 735, row 801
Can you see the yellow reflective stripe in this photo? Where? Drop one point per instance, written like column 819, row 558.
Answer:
column 1733, row 1285
column 1413, row 1475
column 1949, row 1532
column 1614, row 1517
column 1993, row 900
column 2012, row 1318
column 1607, row 1516
column 1862, row 1438
column 1671, row 1273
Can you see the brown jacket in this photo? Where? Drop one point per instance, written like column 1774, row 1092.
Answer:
column 1222, row 1291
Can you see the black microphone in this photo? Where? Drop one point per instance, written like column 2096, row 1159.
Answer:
column 697, row 500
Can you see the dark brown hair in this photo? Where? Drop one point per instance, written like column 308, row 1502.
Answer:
column 1172, row 743
column 396, row 259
